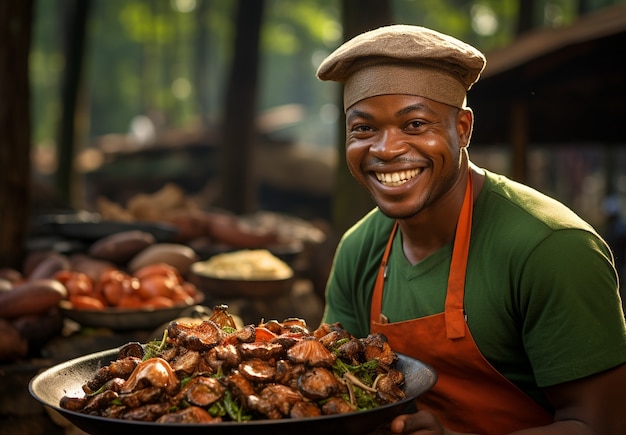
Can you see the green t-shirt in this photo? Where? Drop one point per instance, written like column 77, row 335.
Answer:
column 541, row 292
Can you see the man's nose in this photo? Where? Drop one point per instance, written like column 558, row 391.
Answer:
column 388, row 144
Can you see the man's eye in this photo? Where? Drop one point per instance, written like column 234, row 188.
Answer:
column 361, row 128
column 415, row 124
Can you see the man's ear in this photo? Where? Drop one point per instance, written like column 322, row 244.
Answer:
column 465, row 126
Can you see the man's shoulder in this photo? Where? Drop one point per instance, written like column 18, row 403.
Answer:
column 373, row 226
column 370, row 232
column 526, row 204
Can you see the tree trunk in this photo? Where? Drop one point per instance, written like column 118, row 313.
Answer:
column 238, row 133
column 75, row 24
column 525, row 17
column 200, row 61
column 350, row 200
column 15, row 189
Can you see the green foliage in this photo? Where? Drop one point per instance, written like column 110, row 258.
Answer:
column 46, row 66
column 141, row 54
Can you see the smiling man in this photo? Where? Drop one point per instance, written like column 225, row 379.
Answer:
column 505, row 292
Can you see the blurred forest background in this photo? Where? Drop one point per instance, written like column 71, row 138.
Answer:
column 220, row 97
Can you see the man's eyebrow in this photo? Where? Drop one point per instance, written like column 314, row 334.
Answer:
column 358, row 114
column 355, row 113
column 413, row 107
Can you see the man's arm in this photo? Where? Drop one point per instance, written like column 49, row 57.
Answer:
column 595, row 405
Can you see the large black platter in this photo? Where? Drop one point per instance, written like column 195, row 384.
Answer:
column 67, row 379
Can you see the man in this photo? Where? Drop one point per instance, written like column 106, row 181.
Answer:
column 506, row 293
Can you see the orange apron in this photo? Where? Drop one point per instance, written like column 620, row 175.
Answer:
column 470, row 395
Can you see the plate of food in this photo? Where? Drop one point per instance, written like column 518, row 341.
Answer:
column 151, row 296
column 324, row 381
column 250, row 273
column 127, row 319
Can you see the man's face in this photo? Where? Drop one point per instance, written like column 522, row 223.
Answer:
column 406, row 150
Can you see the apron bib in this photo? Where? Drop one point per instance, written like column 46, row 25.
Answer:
column 470, row 395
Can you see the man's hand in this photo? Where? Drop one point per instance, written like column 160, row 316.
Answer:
column 422, row 423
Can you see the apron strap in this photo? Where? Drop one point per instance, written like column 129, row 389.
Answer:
column 454, row 309
column 377, row 297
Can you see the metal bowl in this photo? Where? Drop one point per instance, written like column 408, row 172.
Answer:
column 241, row 288
column 214, row 287
column 67, row 378
column 120, row 319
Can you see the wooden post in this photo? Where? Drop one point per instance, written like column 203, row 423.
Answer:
column 15, row 183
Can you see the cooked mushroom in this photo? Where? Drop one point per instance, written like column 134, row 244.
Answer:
column 304, row 409
column 202, row 336
column 275, row 401
column 131, row 349
column 337, row 405
column 206, row 373
column 261, row 350
column 318, row 383
column 121, row 368
column 376, row 346
column 149, row 412
column 193, row 414
column 140, row 397
column 186, row 362
column 258, row 370
column 312, row 353
column 155, row 372
column 201, row 391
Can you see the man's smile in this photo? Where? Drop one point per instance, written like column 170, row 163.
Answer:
column 396, row 178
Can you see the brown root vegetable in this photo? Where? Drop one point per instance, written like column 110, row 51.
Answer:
column 234, row 231
column 92, row 267
column 86, row 302
column 5, row 285
column 39, row 327
column 175, row 254
column 48, row 266
column 190, row 225
column 10, row 274
column 32, row 259
column 31, row 297
column 12, row 345
column 121, row 247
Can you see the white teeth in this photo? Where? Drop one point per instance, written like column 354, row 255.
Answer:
column 396, row 178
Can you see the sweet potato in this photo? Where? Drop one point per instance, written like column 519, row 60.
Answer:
column 85, row 302
column 39, row 327
column 121, row 247
column 10, row 274
column 49, row 265
column 92, row 267
column 12, row 345
column 31, row 297
column 5, row 285
column 178, row 255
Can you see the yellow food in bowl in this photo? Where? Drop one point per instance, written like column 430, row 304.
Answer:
column 247, row 264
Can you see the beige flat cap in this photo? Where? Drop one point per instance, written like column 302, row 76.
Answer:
column 403, row 59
